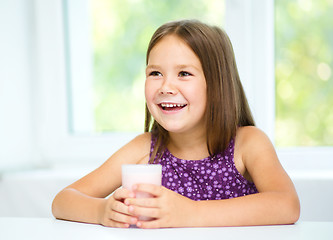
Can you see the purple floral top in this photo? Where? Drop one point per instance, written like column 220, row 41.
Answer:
column 211, row 178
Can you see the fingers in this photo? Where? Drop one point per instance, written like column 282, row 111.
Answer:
column 126, row 209
column 149, row 224
column 116, row 213
column 153, row 189
column 119, row 207
column 122, row 220
column 144, row 211
column 142, row 202
column 111, row 223
column 148, row 207
column 122, row 193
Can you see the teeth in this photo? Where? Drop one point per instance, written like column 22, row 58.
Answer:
column 172, row 105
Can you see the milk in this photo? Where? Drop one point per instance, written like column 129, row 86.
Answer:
column 141, row 173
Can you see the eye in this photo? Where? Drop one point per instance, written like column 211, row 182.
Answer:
column 155, row 73
column 184, row 74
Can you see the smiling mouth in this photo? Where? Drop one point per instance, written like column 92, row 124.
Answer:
column 171, row 106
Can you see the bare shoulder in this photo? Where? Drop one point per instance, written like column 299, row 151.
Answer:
column 253, row 146
column 136, row 151
column 250, row 131
column 250, row 137
column 142, row 140
column 258, row 155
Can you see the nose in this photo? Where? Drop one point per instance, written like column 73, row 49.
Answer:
column 168, row 88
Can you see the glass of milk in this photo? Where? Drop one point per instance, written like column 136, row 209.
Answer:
column 141, row 173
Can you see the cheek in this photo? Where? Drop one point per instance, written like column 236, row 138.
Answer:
column 203, row 92
column 150, row 93
column 198, row 94
column 200, row 99
column 149, row 96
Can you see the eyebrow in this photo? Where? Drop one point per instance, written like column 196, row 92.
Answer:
column 180, row 66
column 151, row 66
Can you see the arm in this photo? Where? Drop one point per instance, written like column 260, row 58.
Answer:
column 276, row 202
column 85, row 200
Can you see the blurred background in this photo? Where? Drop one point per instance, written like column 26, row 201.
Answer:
column 303, row 63
column 303, row 72
column 72, row 87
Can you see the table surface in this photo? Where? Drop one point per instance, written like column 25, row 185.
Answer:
column 49, row 228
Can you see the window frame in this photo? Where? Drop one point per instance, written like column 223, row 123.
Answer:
column 250, row 25
column 57, row 146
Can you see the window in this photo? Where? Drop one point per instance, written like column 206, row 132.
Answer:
column 249, row 24
column 107, row 41
column 304, row 80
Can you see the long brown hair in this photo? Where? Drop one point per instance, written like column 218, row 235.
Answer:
column 227, row 107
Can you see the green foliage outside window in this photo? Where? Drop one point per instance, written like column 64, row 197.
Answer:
column 304, row 78
column 303, row 62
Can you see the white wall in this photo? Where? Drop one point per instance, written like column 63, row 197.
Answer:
column 16, row 73
column 315, row 194
column 30, row 193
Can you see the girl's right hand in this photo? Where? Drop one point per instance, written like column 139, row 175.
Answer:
column 114, row 212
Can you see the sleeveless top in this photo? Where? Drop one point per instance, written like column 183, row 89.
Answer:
column 211, row 178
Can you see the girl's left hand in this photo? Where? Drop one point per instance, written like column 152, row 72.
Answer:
column 167, row 208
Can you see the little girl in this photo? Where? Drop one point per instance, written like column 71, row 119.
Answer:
column 218, row 169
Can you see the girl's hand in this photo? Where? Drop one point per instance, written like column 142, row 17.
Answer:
column 115, row 213
column 167, row 208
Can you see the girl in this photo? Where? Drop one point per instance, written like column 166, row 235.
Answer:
column 200, row 129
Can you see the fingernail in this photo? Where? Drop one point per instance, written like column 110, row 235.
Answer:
column 133, row 220
column 130, row 208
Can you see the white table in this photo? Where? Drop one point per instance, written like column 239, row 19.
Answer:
column 48, row 228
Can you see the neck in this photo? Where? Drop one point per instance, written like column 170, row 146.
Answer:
column 192, row 146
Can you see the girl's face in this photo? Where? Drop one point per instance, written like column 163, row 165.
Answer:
column 175, row 86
